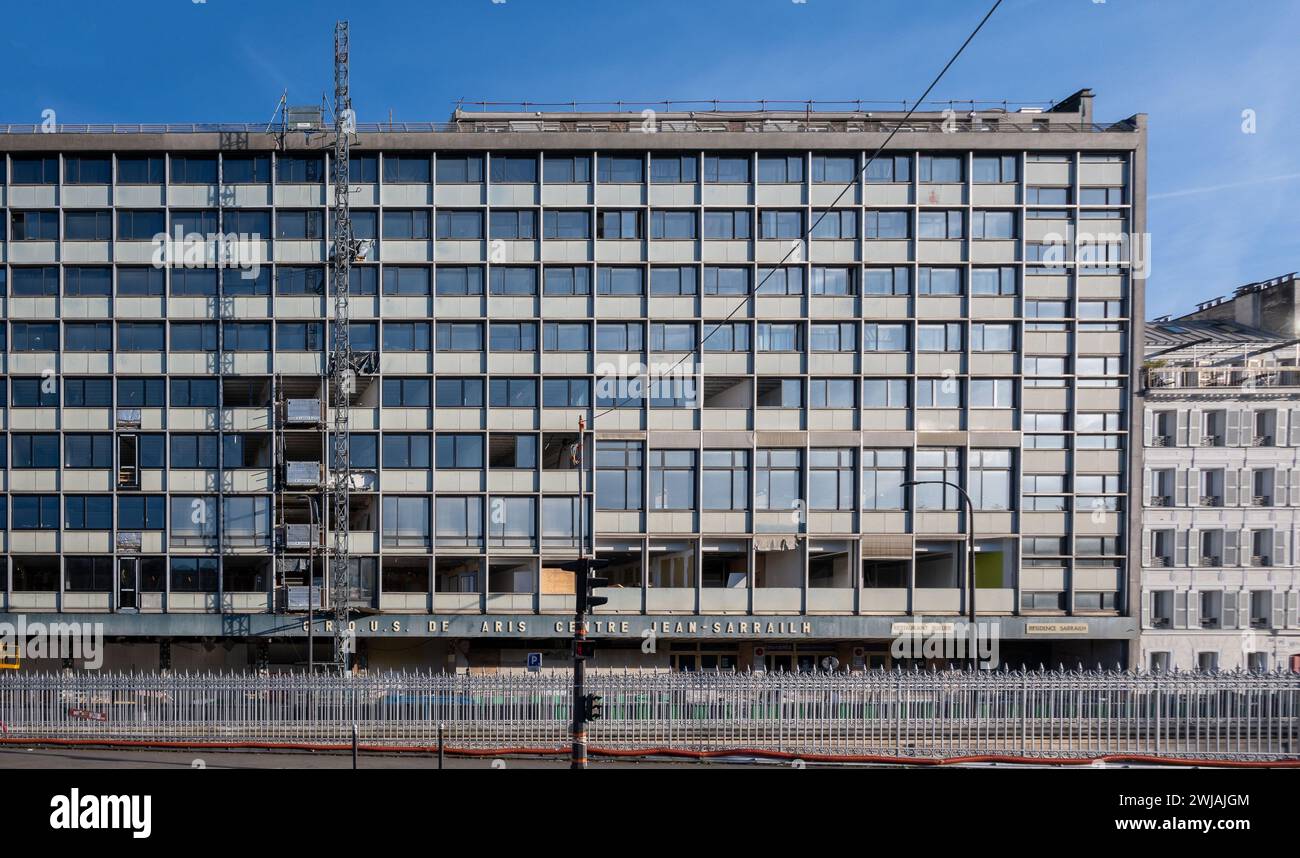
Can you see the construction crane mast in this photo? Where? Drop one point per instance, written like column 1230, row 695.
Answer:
column 341, row 368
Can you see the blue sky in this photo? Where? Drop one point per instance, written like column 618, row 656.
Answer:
column 1221, row 201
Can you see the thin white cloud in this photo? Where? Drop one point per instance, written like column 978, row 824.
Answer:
column 1187, row 192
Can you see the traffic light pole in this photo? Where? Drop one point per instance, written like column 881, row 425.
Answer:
column 578, row 760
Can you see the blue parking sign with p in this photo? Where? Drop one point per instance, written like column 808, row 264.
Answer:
column 534, row 661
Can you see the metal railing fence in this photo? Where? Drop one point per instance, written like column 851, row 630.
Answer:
column 919, row 715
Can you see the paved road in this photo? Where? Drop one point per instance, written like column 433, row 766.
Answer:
column 94, row 758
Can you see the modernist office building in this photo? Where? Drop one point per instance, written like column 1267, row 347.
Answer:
column 947, row 319
column 1220, row 588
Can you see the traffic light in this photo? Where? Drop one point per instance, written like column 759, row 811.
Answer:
column 593, row 707
column 584, row 648
column 584, row 581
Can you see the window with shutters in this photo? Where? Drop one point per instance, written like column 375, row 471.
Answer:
column 1162, row 609
column 1261, row 609
column 1261, row 547
column 1211, row 545
column 1211, row 612
column 1214, row 429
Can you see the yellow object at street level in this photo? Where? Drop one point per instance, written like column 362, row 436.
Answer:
column 9, row 659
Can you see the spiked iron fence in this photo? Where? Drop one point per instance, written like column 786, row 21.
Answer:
column 910, row 715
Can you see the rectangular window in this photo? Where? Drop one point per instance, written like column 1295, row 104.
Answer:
column 620, row 337
column 518, row 281
column 458, row 451
column 839, row 169
column 672, row 337
column 940, row 168
column 243, row 169
column 84, row 336
column 35, row 170
column 939, row 338
column 35, row 451
column 512, row 393
column 932, row 467
column 35, row 392
column 884, row 337
column 516, row 169
column 888, row 225
column 835, row 224
column 566, row 225
column 194, row 451
column 460, row 337
column 833, row 281
column 246, row 336
column 673, row 280
column 459, row 393
column 140, row 169
column 830, row 479
column 88, row 225
column 459, row 280
column 452, row 169
column 888, row 169
column 780, row 337
column 726, row 281
column 512, row 452
column 992, row 393
column 938, row 281
column 672, row 479
column 140, row 225
column 938, row 393
column 993, row 225
column 36, row 281
column 194, row 169
column 726, row 225
column 619, row 170
column 779, row 393
column 189, row 336
column 618, row 475
column 673, row 169
column 726, row 169
column 833, row 337
column 566, row 169
column 726, row 479
column 513, row 337
column 301, row 169
column 34, row 226
column 992, row 338
column 776, row 224
column 406, row 336
column 993, row 281
column 939, row 224
column 780, row 169
column 832, row 392
column 406, row 393
column 566, row 393
column 405, row 451
column 459, row 522
column 887, row 281
column 618, row 281
column 414, row 169
column 404, row 224
column 143, row 336
column 460, row 225
column 142, row 512
column 726, row 337
column 35, row 512
column 405, row 522
column 299, row 336
column 990, row 479
column 672, row 225
column 777, row 478
column 194, row 393
column 407, row 281
column 993, row 169
column 566, row 336
column 299, row 280
column 883, row 475
column 779, row 281
column 618, row 224
column 513, row 224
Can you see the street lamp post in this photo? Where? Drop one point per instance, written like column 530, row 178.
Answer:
column 970, row 561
